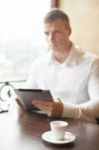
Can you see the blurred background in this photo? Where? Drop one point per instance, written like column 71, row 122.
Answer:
column 21, row 32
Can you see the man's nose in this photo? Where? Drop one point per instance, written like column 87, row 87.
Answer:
column 51, row 37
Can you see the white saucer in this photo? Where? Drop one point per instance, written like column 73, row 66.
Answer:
column 69, row 137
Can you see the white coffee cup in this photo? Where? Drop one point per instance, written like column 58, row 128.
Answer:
column 58, row 129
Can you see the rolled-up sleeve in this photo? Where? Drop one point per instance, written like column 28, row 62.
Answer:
column 89, row 110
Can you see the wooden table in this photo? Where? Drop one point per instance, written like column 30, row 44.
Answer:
column 21, row 130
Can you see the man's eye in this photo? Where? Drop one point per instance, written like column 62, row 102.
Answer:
column 57, row 32
column 46, row 33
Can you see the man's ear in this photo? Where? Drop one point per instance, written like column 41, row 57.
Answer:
column 69, row 31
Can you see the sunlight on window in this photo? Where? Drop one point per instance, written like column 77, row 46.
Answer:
column 21, row 35
column 22, row 19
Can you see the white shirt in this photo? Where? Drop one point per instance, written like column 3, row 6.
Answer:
column 75, row 82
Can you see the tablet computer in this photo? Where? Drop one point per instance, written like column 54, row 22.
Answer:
column 27, row 95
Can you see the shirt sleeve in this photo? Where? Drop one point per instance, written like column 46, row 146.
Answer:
column 89, row 110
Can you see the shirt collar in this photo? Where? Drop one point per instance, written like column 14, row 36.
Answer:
column 72, row 58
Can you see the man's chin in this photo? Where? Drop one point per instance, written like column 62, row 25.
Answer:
column 54, row 48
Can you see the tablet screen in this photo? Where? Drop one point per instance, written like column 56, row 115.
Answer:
column 27, row 96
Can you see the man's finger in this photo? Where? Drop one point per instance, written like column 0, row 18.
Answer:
column 43, row 105
column 18, row 101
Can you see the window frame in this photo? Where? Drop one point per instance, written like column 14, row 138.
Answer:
column 54, row 3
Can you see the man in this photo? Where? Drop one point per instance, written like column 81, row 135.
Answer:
column 69, row 73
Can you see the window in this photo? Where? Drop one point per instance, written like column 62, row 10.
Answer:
column 21, row 36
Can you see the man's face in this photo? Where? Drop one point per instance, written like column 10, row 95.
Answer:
column 57, row 34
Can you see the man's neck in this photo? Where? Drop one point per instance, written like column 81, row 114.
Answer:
column 62, row 54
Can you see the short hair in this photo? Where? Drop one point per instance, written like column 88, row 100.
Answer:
column 55, row 14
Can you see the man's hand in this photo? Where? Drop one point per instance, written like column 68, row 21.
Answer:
column 20, row 104
column 52, row 109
